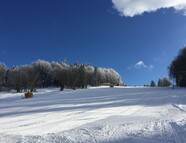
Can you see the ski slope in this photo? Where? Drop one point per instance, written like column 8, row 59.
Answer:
column 95, row 115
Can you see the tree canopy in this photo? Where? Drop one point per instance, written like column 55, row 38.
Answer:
column 177, row 68
column 152, row 84
column 58, row 74
column 178, row 65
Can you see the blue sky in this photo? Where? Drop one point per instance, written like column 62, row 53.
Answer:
column 138, row 43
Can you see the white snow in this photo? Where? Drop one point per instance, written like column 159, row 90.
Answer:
column 95, row 115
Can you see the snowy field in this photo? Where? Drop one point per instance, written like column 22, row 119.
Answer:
column 97, row 115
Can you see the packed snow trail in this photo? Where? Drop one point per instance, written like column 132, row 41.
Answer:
column 134, row 115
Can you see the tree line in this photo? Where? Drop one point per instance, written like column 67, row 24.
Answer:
column 177, row 70
column 164, row 82
column 42, row 73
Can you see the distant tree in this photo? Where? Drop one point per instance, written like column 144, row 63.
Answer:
column 115, row 78
column 2, row 75
column 62, row 78
column 17, row 79
column 166, row 82
column 44, row 69
column 159, row 83
column 24, row 77
column 107, row 76
column 60, row 74
column 32, row 78
column 82, row 79
column 56, row 68
column 95, row 77
column 74, row 76
column 89, row 70
column 152, row 84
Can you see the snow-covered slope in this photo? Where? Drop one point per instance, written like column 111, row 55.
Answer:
column 137, row 115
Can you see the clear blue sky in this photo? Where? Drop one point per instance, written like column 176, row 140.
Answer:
column 139, row 47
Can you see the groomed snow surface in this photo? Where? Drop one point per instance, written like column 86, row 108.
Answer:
column 95, row 115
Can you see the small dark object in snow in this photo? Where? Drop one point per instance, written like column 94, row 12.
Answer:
column 28, row 95
column 111, row 86
column 74, row 88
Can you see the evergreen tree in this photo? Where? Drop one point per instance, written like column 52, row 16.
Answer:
column 178, row 67
column 152, row 84
column 159, row 83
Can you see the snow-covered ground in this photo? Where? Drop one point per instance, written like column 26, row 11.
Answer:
column 130, row 115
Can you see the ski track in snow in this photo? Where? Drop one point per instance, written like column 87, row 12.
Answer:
column 98, row 115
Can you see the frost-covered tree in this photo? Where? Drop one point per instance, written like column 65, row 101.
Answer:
column 32, row 77
column 2, row 75
column 95, row 77
column 44, row 69
column 108, row 76
column 44, row 74
column 60, row 74
column 89, row 70
column 166, row 82
column 82, row 78
column 56, row 68
column 114, row 77
column 17, row 78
